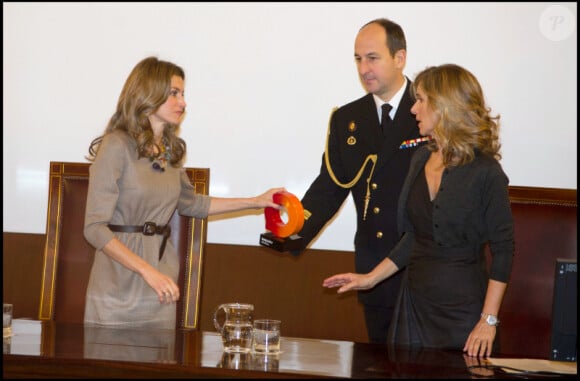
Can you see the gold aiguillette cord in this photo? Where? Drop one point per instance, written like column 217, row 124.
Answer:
column 372, row 157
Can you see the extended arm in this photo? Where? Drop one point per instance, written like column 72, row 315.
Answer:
column 351, row 281
column 220, row 205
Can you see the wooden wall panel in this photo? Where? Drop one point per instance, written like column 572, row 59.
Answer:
column 284, row 287
column 289, row 288
column 279, row 285
column 22, row 272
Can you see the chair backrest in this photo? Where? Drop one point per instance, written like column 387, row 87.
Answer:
column 68, row 257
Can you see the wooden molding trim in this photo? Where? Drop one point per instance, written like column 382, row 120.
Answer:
column 543, row 196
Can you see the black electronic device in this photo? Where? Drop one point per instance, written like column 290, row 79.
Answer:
column 564, row 345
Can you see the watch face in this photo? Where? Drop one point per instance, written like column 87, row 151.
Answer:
column 491, row 320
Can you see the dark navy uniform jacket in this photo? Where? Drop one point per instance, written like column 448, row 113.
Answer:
column 354, row 134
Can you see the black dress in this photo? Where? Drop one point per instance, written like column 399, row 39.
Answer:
column 443, row 289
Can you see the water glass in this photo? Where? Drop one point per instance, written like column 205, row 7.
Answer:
column 266, row 336
column 7, row 320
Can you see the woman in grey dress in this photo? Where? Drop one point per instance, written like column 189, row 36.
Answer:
column 137, row 180
column 454, row 201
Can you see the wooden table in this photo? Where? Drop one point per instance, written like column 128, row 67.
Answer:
column 72, row 350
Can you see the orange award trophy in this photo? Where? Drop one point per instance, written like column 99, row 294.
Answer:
column 282, row 236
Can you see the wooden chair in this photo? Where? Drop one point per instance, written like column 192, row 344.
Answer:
column 68, row 257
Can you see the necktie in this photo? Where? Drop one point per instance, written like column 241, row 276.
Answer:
column 385, row 118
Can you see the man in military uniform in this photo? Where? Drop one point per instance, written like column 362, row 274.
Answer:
column 370, row 159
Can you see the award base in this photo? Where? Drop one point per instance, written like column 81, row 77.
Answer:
column 294, row 242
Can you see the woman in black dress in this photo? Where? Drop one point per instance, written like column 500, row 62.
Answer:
column 454, row 201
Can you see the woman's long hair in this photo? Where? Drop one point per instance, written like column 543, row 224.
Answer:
column 145, row 90
column 465, row 124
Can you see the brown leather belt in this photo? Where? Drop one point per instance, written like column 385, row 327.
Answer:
column 149, row 228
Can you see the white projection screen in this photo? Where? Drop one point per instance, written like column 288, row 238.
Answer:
column 261, row 81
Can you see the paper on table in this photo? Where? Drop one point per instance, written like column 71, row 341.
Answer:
column 534, row 365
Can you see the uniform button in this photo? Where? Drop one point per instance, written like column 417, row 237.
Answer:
column 376, row 210
column 436, row 206
column 379, row 234
column 374, row 186
column 436, row 226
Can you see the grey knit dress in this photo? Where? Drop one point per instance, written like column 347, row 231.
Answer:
column 124, row 190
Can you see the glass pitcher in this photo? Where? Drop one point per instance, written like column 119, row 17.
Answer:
column 234, row 322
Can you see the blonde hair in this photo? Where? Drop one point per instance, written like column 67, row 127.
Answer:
column 465, row 124
column 145, row 90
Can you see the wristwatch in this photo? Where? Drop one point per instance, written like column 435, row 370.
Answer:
column 490, row 319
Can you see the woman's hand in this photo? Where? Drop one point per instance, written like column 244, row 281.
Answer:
column 480, row 341
column 348, row 282
column 266, row 199
column 162, row 284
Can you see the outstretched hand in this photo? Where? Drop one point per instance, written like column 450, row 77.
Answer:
column 348, row 282
column 266, row 199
